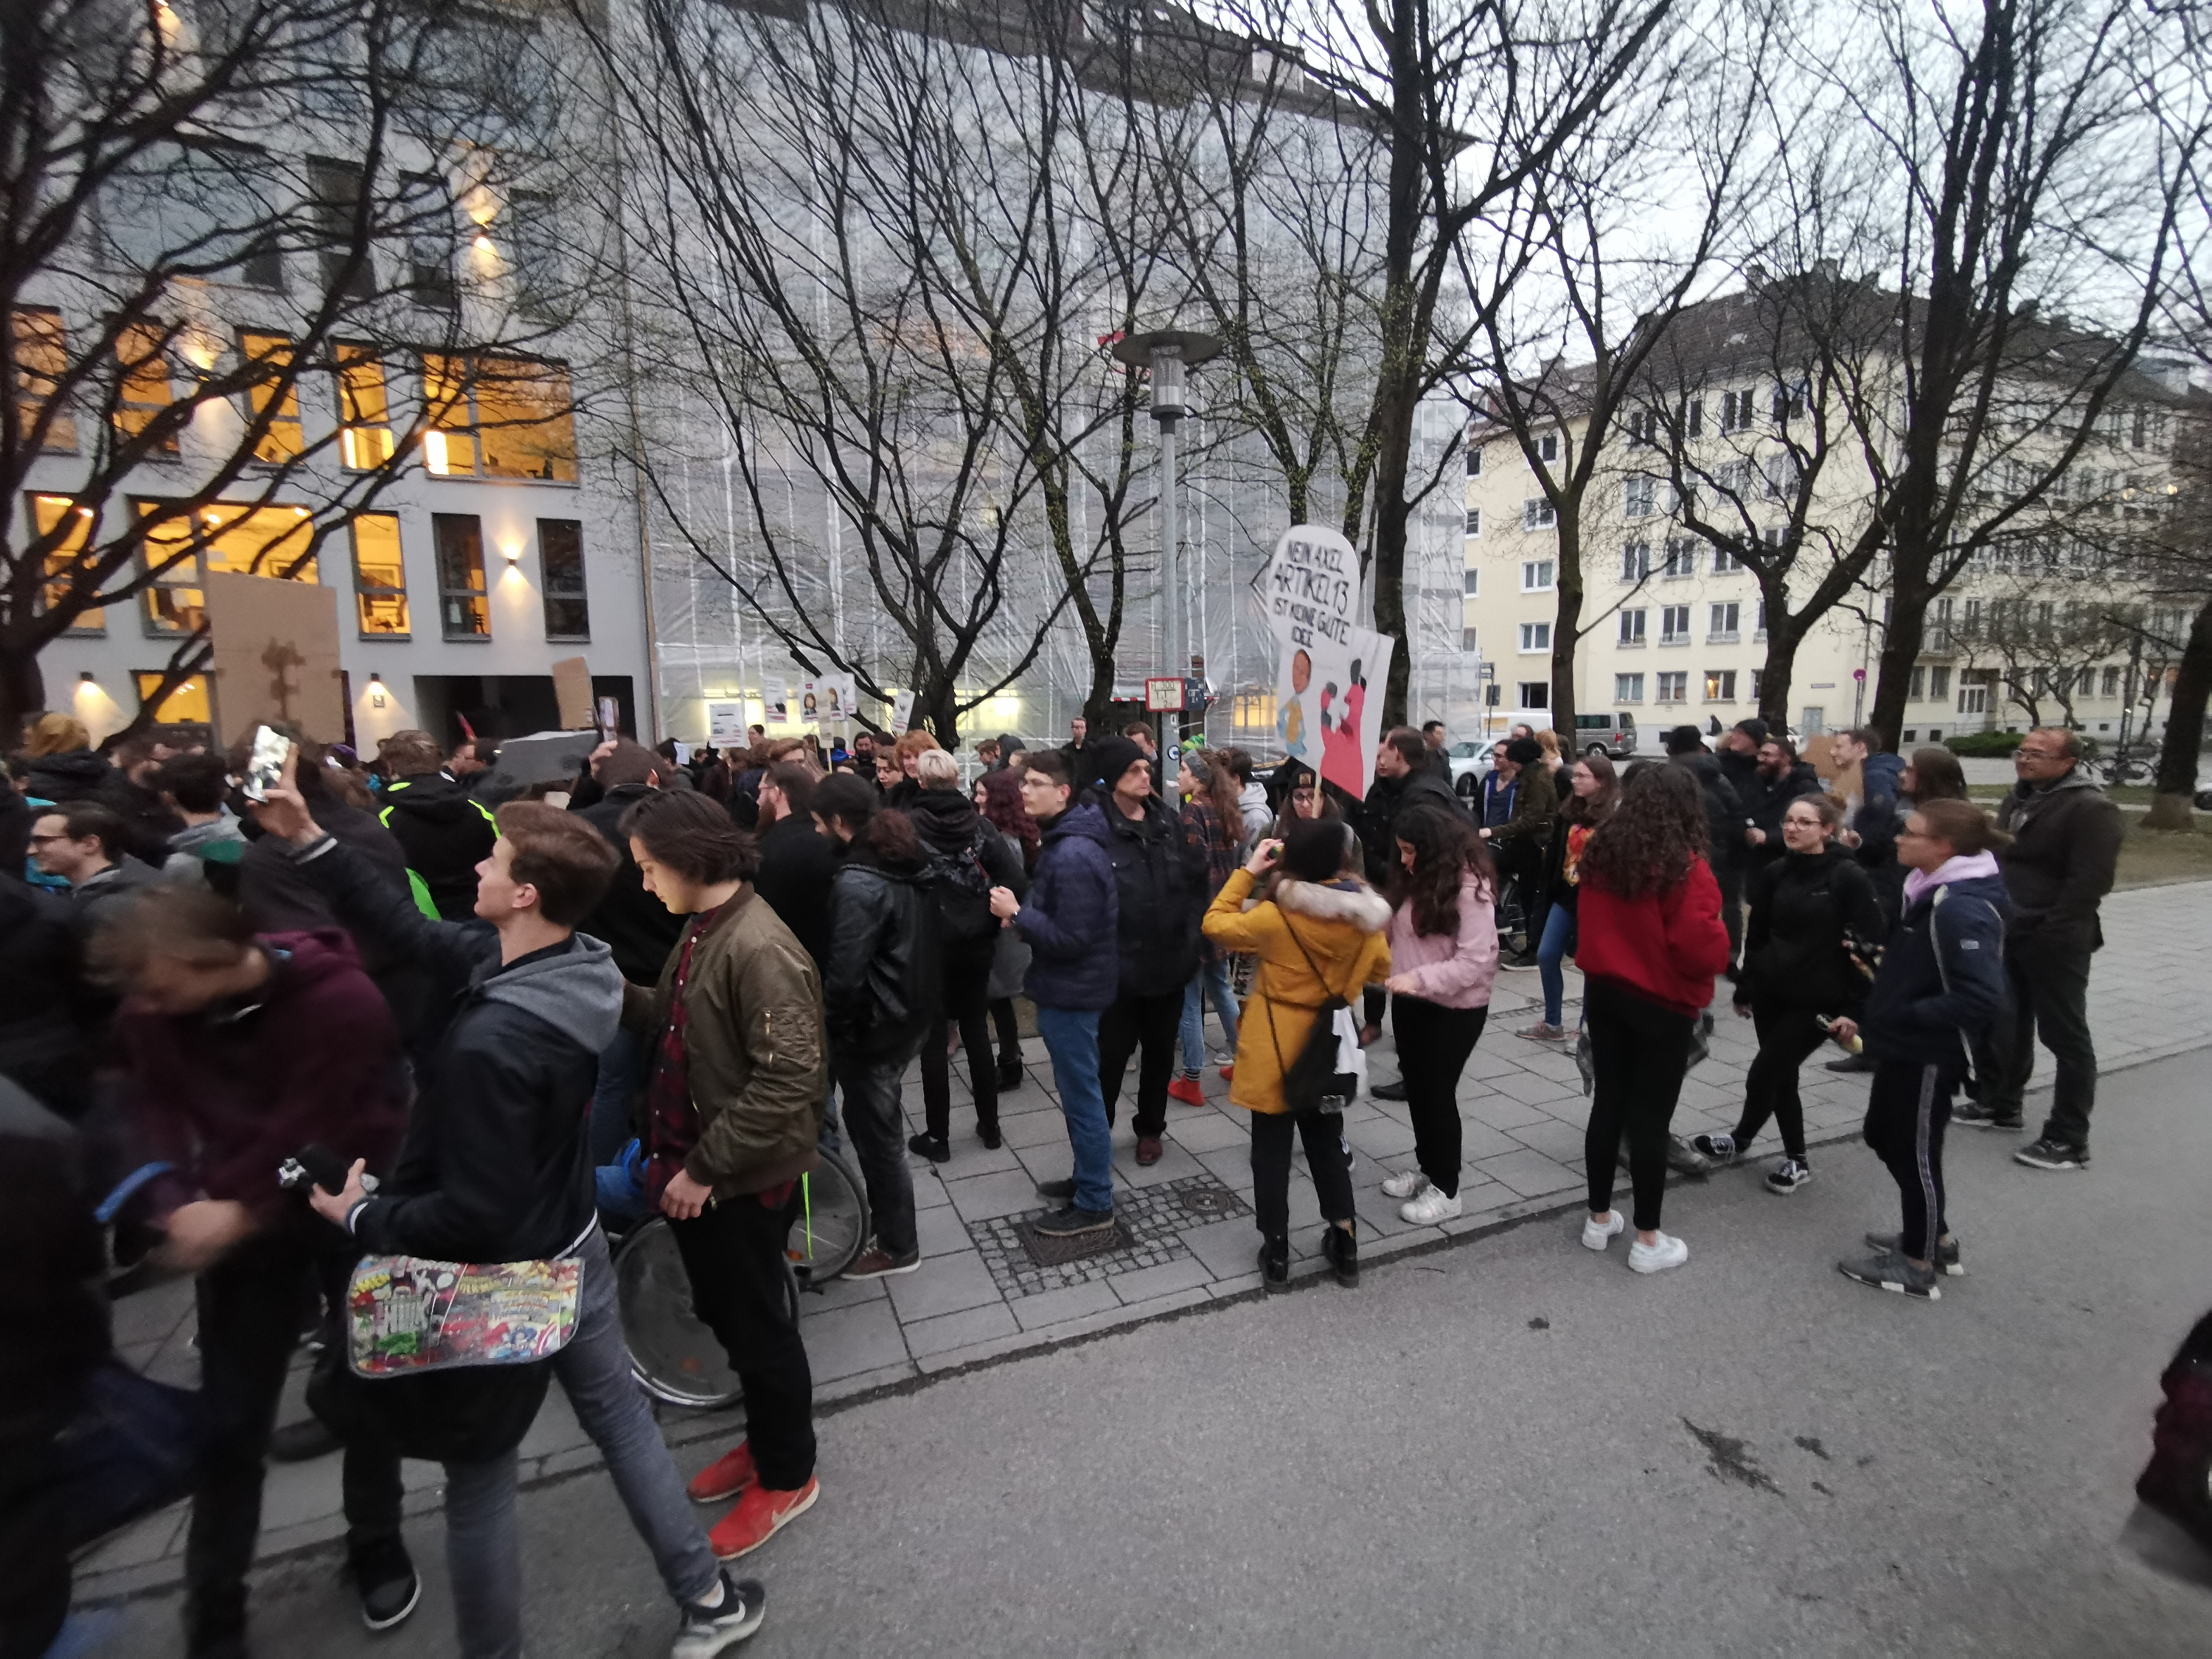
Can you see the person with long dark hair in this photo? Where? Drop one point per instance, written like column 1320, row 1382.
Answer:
column 1443, row 956
column 1932, row 775
column 1810, row 909
column 1593, row 792
column 1212, row 825
column 998, row 797
column 1650, row 941
column 879, row 994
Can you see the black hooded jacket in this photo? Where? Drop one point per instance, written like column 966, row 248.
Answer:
column 951, row 828
column 1765, row 799
column 1160, row 889
column 446, row 833
column 880, row 981
column 1805, row 908
column 797, row 864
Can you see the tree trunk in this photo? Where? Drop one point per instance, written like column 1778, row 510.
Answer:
column 1783, row 639
column 1566, row 625
column 22, row 693
column 1908, row 598
column 2175, row 785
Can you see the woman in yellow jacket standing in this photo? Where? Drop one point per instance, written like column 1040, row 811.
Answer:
column 1317, row 931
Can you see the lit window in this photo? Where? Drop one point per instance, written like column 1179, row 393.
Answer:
column 143, row 393
column 52, row 512
column 183, row 549
column 463, row 611
column 273, row 395
column 364, row 410
column 41, row 360
column 187, row 700
column 516, row 411
column 1720, row 685
column 561, row 551
column 380, row 576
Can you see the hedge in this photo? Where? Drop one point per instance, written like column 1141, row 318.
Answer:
column 1983, row 742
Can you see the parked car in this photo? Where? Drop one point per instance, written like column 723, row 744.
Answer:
column 1469, row 761
column 1611, row 734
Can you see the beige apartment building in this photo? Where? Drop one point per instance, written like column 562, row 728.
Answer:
column 1676, row 628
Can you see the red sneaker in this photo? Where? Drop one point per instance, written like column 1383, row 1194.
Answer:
column 1186, row 1089
column 1229, row 1074
column 725, row 1477
column 760, row 1514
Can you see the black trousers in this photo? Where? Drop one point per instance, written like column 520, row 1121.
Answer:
column 1907, row 1111
column 2049, row 997
column 1009, row 1030
column 1729, row 874
column 1638, row 1051
column 1434, row 1042
column 35, row 1585
column 1323, row 1134
column 250, row 1305
column 1787, row 1037
column 968, row 1005
column 733, row 1252
column 1155, row 1022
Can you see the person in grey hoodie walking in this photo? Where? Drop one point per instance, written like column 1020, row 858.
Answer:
column 2065, row 850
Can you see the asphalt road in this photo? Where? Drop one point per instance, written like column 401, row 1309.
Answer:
column 1512, row 1447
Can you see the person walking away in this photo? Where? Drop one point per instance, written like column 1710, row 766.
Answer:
column 1160, row 881
column 966, row 859
column 1931, row 775
column 238, row 1050
column 208, row 849
column 495, row 1166
column 445, row 832
column 1779, row 778
column 2064, row 852
column 1593, row 792
column 1072, row 908
column 1403, row 778
column 1212, row 825
column 1650, row 941
column 637, row 927
column 1940, row 986
column 1519, row 843
column 1814, row 919
column 880, row 996
column 82, row 843
column 1443, row 956
column 1318, row 931
column 998, row 802
column 734, row 1117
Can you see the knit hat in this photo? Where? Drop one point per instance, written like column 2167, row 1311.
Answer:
column 1684, row 740
column 1524, row 751
column 1754, row 728
column 1108, row 758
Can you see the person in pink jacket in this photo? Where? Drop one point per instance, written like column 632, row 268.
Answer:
column 1444, row 955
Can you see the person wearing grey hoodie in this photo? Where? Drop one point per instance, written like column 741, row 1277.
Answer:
column 496, row 1167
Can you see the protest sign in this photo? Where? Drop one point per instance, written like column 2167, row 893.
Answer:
column 274, row 655
column 726, row 724
column 902, row 712
column 572, row 694
column 1311, row 589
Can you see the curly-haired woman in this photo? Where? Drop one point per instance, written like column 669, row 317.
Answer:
column 1443, row 956
column 1652, row 940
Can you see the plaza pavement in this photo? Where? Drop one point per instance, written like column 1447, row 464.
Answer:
column 977, row 1300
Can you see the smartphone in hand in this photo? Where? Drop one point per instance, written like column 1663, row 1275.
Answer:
column 265, row 768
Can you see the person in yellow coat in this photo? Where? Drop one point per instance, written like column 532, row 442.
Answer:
column 1317, row 929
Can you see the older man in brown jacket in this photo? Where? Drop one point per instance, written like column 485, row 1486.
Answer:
column 738, row 1074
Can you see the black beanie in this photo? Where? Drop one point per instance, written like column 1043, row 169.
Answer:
column 1754, row 728
column 1108, row 758
column 1684, row 740
column 1524, row 751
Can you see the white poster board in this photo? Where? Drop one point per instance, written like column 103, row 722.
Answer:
column 726, row 724
column 1330, row 671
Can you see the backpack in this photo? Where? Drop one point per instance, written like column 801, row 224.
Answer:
column 961, row 889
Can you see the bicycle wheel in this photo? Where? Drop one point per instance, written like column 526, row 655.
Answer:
column 672, row 1353
column 831, row 1227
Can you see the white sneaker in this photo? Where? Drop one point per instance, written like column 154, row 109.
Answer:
column 1431, row 1207
column 1668, row 1252
column 1410, row 1184
column 1596, row 1237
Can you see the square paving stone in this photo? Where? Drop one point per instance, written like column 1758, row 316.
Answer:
column 1529, row 1174
column 960, row 1330
column 950, row 1283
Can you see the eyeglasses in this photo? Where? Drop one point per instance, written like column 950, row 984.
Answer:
column 46, row 841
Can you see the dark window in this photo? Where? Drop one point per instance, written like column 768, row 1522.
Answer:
column 560, row 549
column 432, row 243
column 463, row 609
column 338, row 186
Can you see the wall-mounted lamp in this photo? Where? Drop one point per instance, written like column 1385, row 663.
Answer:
column 86, row 675
column 511, row 552
column 375, row 691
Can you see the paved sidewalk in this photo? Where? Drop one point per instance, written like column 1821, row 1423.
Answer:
column 978, row 1296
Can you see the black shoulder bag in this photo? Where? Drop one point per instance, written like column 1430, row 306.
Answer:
column 1312, row 1084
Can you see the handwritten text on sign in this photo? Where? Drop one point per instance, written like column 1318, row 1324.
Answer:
column 1313, row 585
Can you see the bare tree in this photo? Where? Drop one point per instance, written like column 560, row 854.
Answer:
column 231, row 250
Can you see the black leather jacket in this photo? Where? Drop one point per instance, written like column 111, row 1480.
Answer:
column 879, row 983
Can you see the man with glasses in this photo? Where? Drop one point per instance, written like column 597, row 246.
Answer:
column 2066, row 845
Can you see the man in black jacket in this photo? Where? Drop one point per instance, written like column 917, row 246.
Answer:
column 1778, row 779
column 445, row 832
column 495, row 1168
column 2064, row 854
column 798, row 861
column 1160, row 884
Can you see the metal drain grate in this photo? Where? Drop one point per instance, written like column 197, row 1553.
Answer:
column 1148, row 1225
column 1213, row 1203
column 1059, row 1251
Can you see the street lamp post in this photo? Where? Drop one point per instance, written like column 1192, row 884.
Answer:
column 1167, row 353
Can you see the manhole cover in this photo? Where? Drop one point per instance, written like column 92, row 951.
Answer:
column 1212, row 1202
column 1054, row 1252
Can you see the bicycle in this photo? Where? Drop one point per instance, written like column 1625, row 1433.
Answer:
column 673, row 1354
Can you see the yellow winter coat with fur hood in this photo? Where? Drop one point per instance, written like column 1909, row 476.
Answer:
column 1340, row 923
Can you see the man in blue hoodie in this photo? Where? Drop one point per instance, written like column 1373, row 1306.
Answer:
column 1940, row 986
column 1071, row 921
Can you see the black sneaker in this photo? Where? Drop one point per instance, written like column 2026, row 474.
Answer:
column 708, row 1631
column 1342, row 1251
column 990, row 1135
column 1073, row 1222
column 385, row 1575
column 1975, row 1116
column 1946, row 1252
column 1893, row 1273
column 1010, row 1075
column 1859, row 1062
column 1719, row 1148
column 1275, row 1264
column 2052, row 1153
column 929, row 1146
column 1062, row 1190
column 1390, row 1091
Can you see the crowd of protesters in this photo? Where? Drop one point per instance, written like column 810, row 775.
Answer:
column 463, row 1001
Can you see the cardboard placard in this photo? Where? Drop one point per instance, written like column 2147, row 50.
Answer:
column 274, row 655
column 572, row 694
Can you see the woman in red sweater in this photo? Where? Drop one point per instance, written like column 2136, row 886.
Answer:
column 1651, row 941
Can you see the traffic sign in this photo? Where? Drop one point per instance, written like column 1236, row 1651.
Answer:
column 1163, row 696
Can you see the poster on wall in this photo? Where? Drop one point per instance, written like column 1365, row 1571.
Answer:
column 274, row 648
column 726, row 724
column 809, row 703
column 902, row 712
column 776, row 705
column 838, row 699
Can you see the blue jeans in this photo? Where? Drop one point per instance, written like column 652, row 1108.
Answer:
column 1071, row 1037
column 1211, row 981
column 1559, row 940
column 620, row 1062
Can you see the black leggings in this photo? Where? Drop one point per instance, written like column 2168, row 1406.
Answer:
column 1906, row 1113
column 1434, row 1042
column 1323, row 1134
column 966, row 1004
column 1786, row 1037
column 1638, row 1052
column 1009, row 1030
